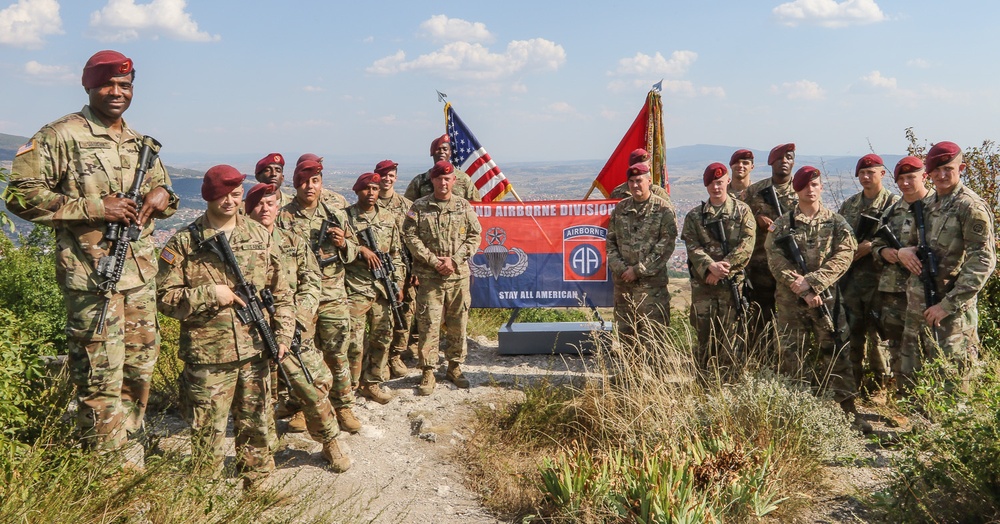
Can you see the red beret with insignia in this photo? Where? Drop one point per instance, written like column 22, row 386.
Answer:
column 443, row 139
column 103, row 66
column 220, row 181
column 713, row 172
column 306, row 170
column 869, row 160
column 442, row 167
column 941, row 154
column 638, row 169
column 908, row 164
column 309, row 156
column 271, row 158
column 366, row 180
column 638, row 155
column 256, row 194
column 385, row 166
column 779, row 152
column 741, row 154
column 803, row 176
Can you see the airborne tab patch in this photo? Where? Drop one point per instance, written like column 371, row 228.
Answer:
column 25, row 148
column 168, row 255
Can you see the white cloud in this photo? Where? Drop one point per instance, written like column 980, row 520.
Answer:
column 657, row 65
column 829, row 13
column 368, row 39
column 313, row 89
column 919, row 63
column 875, row 79
column 26, row 23
column 800, row 90
column 124, row 20
column 49, row 74
column 440, row 28
column 464, row 60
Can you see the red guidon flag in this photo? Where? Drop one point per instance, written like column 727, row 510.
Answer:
column 470, row 156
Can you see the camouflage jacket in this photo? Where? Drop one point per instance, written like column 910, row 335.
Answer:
column 210, row 333
column 827, row 245
column 435, row 228
column 421, row 186
column 866, row 270
column 301, row 273
column 62, row 174
column 641, row 234
column 398, row 205
column 703, row 248
column 359, row 278
column 899, row 219
column 306, row 224
column 789, row 201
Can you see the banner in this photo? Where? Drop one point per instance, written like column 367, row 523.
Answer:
column 548, row 253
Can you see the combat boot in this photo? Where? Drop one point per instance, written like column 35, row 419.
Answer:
column 397, row 368
column 375, row 393
column 298, row 423
column 427, row 383
column 284, row 410
column 339, row 462
column 455, row 375
column 859, row 423
column 347, row 421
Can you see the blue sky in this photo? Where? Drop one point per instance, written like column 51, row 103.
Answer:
column 229, row 81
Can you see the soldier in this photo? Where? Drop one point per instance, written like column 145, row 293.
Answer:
column 640, row 241
column 67, row 177
column 271, row 170
column 809, row 315
column 421, row 184
column 762, row 284
column 741, row 164
column 306, row 216
column 640, row 156
column 717, row 270
column 442, row 233
column 403, row 340
column 225, row 369
column 301, row 273
column 959, row 231
column 369, row 300
column 859, row 286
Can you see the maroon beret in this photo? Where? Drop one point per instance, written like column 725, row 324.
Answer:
column 305, row 170
column 713, row 172
column 256, row 194
column 779, row 152
column 271, row 158
column 366, row 180
column 741, row 154
column 442, row 167
column 309, row 156
column 637, row 169
column 908, row 164
column 220, row 181
column 639, row 155
column 443, row 139
column 385, row 166
column 103, row 66
column 869, row 160
column 941, row 154
column 803, row 176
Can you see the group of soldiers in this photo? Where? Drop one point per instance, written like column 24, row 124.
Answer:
column 772, row 266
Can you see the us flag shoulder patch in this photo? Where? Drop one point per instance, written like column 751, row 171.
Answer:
column 25, row 148
column 412, row 214
column 168, row 255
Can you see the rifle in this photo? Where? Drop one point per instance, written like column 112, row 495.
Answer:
column 867, row 226
column 770, row 197
column 788, row 244
column 739, row 301
column 928, row 262
column 296, row 350
column 886, row 234
column 330, row 221
column 111, row 265
column 384, row 275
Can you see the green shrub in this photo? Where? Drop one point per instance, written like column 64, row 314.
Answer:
column 165, row 390
column 21, row 371
column 28, row 288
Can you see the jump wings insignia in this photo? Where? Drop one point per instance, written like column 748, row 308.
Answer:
column 496, row 255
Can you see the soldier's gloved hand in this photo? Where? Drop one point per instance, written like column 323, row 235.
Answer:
column 227, row 296
column 371, row 258
column 119, row 210
column 155, row 201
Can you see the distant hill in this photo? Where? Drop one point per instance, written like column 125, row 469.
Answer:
column 9, row 145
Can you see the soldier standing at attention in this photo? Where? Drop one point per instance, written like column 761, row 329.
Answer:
column 271, row 170
column 741, row 163
column 640, row 241
column 809, row 319
column 861, row 282
column 714, row 315
column 67, row 177
column 225, row 368
column 640, row 156
column 442, row 232
column 959, row 230
column 305, row 216
column 421, row 184
column 403, row 340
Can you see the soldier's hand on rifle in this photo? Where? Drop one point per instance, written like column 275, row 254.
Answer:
column 864, row 249
column 119, row 210
column 629, row 274
column 908, row 257
column 371, row 258
column 813, row 300
column 399, row 296
column 337, row 236
column 282, row 351
column 227, row 296
column 155, row 201
column 800, row 284
column 934, row 315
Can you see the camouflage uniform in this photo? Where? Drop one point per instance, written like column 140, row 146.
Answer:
column 642, row 236
column 421, row 186
column 368, row 299
column 712, row 309
column 859, row 289
column 225, row 369
column 333, row 316
column 828, row 246
column 959, row 229
column 432, row 229
column 762, row 284
column 398, row 205
column 62, row 174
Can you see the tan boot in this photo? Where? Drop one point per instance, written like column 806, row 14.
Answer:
column 347, row 421
column 283, row 410
column 339, row 462
column 397, row 369
column 297, row 424
column 375, row 393
column 455, row 376
column 427, row 383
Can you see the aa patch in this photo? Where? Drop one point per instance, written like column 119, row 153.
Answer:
column 979, row 228
column 30, row 146
column 585, row 255
column 168, row 255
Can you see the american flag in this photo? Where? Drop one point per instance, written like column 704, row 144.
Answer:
column 470, row 156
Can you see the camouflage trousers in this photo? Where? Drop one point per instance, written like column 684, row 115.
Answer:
column 333, row 330
column 313, row 399
column 809, row 351
column 642, row 311
column 721, row 338
column 892, row 318
column 111, row 371
column 404, row 338
column 956, row 343
column 375, row 313
column 437, row 301
column 209, row 393
column 860, row 300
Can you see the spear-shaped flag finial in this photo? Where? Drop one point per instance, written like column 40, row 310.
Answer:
column 656, row 87
column 441, row 96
